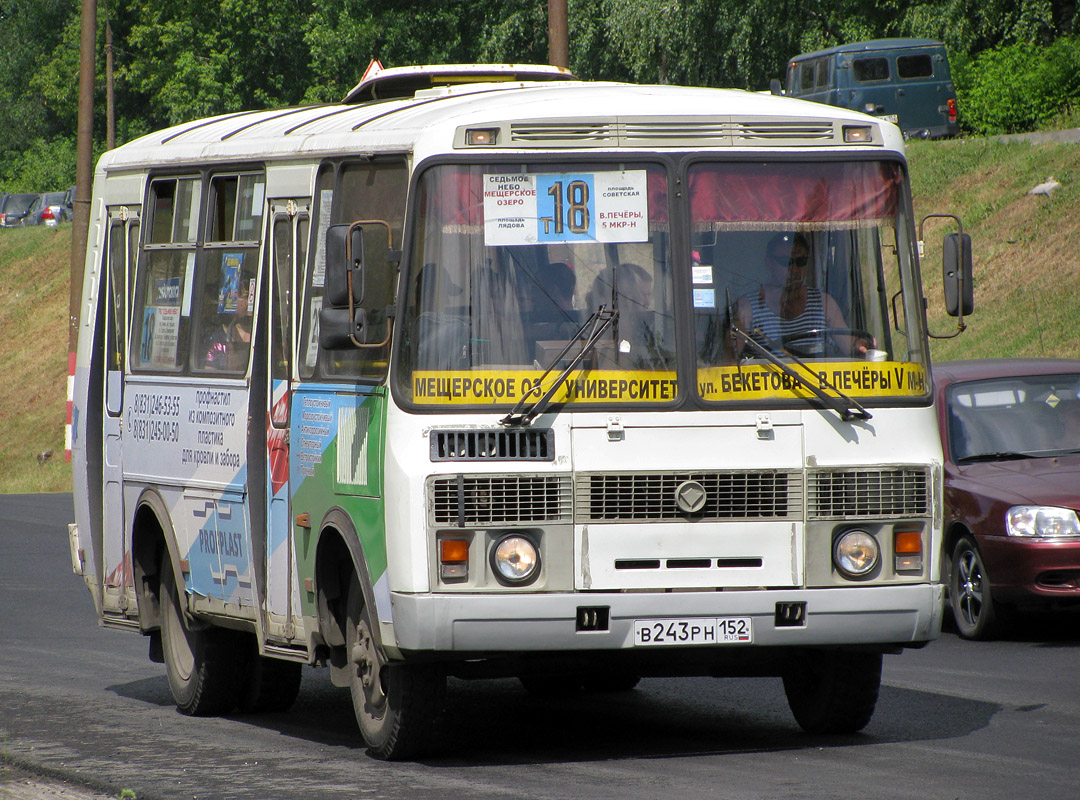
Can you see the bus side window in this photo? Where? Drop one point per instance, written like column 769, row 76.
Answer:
column 229, row 267
column 347, row 192
column 162, row 304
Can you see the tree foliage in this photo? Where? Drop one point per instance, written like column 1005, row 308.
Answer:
column 177, row 60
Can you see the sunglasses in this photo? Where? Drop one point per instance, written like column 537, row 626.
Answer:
column 782, row 258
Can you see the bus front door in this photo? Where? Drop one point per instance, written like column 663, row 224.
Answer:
column 290, row 225
column 121, row 244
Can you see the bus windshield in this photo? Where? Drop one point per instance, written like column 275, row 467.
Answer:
column 797, row 261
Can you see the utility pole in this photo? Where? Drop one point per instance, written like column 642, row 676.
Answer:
column 110, row 106
column 558, row 38
column 83, row 173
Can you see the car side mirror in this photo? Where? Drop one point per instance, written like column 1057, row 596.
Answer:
column 957, row 275
column 344, row 265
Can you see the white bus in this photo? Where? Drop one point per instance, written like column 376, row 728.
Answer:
column 490, row 372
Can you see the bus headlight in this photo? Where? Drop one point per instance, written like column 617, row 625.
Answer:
column 515, row 560
column 856, row 553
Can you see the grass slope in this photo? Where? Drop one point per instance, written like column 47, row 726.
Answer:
column 34, row 270
column 1027, row 278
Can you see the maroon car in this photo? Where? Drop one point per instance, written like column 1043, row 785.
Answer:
column 1011, row 434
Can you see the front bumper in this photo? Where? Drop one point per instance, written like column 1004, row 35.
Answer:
column 502, row 623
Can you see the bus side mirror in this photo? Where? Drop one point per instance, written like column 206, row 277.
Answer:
column 344, row 264
column 340, row 331
column 957, row 275
column 775, row 87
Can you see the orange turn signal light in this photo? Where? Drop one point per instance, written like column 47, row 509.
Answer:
column 907, row 542
column 453, row 551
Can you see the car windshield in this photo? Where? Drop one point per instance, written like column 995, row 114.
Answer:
column 1007, row 418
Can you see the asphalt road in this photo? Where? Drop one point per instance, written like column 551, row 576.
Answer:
column 972, row 721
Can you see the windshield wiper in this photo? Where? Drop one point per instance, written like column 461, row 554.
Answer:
column 843, row 405
column 1000, row 455
column 597, row 323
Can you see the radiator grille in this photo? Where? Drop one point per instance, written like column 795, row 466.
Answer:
column 641, row 497
column 868, row 493
column 525, row 444
column 478, row 500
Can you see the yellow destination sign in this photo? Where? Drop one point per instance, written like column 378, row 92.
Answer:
column 716, row 384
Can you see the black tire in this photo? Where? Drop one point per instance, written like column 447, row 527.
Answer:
column 972, row 604
column 270, row 685
column 204, row 664
column 396, row 705
column 832, row 691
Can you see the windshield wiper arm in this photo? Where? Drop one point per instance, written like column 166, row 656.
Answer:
column 998, row 455
column 843, row 405
column 598, row 323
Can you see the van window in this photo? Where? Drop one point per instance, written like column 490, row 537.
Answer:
column 871, row 69
column 822, row 81
column 920, row 66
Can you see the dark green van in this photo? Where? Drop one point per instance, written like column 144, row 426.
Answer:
column 906, row 81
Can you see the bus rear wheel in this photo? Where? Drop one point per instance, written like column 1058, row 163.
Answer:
column 396, row 705
column 201, row 662
column 832, row 691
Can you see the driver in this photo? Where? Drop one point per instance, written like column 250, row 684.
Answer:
column 787, row 310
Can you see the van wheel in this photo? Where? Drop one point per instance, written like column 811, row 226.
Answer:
column 201, row 661
column 396, row 705
column 832, row 691
column 270, row 684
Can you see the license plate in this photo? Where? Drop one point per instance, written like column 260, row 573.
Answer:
column 693, row 630
column 889, row 118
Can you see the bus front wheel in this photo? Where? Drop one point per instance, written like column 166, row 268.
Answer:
column 201, row 661
column 832, row 691
column 396, row 705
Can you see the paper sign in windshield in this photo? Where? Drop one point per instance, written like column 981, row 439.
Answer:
column 552, row 208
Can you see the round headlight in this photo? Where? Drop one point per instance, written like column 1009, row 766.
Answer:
column 516, row 560
column 856, row 553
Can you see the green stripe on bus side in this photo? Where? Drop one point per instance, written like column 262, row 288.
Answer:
column 364, row 504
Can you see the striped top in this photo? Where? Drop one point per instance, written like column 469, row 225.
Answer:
column 769, row 323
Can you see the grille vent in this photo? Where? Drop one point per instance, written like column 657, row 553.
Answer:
column 478, row 500
column 651, row 496
column 528, row 444
column 716, row 132
column 869, row 493
column 756, row 131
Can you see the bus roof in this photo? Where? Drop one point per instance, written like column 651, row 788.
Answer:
column 529, row 115
column 871, row 45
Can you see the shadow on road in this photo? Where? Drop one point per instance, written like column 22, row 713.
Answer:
column 496, row 722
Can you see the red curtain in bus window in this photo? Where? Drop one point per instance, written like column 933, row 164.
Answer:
column 457, row 198
column 658, row 212
column 786, row 192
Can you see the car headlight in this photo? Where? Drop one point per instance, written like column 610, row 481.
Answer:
column 515, row 560
column 856, row 553
column 1042, row 521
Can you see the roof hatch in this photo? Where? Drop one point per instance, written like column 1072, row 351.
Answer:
column 383, row 84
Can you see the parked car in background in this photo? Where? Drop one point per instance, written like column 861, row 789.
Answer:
column 50, row 209
column 15, row 208
column 1011, row 435
column 905, row 81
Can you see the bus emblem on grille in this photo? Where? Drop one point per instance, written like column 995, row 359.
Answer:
column 690, row 497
